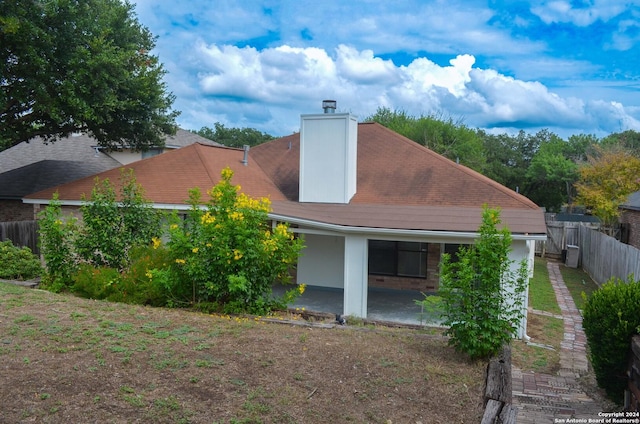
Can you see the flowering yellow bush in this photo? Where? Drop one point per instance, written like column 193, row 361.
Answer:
column 229, row 255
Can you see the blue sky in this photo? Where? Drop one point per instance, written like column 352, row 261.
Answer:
column 572, row 67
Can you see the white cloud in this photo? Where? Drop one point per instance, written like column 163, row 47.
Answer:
column 260, row 63
column 627, row 36
column 507, row 100
column 274, row 86
column 362, row 67
column 564, row 11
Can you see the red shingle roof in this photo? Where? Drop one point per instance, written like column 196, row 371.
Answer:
column 167, row 178
column 400, row 184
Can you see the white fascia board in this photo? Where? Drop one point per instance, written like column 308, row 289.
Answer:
column 334, row 228
column 164, row 206
column 47, row 201
column 323, row 227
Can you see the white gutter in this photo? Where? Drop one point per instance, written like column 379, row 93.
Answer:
column 164, row 206
column 392, row 231
column 323, row 227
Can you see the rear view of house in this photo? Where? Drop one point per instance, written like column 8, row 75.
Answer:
column 375, row 208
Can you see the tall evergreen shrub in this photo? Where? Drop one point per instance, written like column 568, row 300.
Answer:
column 611, row 318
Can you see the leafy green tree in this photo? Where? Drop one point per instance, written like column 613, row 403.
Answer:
column 483, row 297
column 69, row 66
column 551, row 175
column 628, row 140
column 509, row 157
column 606, row 180
column 228, row 254
column 58, row 236
column 452, row 140
column 580, row 146
column 234, row 137
column 111, row 228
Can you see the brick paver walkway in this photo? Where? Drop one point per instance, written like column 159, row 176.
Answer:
column 541, row 398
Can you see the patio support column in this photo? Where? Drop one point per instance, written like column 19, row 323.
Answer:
column 355, row 275
column 520, row 250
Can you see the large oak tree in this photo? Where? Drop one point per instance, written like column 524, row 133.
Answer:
column 80, row 65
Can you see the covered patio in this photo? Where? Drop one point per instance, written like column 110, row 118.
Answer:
column 396, row 306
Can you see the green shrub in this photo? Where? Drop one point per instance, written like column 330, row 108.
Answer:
column 482, row 298
column 18, row 263
column 97, row 282
column 144, row 282
column 106, row 236
column 111, row 228
column 57, row 238
column 611, row 318
column 229, row 254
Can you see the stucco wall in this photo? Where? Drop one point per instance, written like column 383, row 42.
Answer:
column 322, row 261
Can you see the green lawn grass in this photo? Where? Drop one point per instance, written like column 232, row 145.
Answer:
column 541, row 294
column 578, row 282
column 543, row 330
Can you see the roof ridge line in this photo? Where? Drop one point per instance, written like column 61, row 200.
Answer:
column 525, row 201
column 197, row 147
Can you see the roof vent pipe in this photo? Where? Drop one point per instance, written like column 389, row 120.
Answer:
column 245, row 159
column 329, row 106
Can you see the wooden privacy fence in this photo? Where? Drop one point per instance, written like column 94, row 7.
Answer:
column 21, row 233
column 559, row 235
column 603, row 257
column 632, row 395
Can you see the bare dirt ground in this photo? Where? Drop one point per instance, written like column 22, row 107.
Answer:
column 69, row 360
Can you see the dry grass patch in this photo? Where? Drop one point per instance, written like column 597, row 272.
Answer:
column 66, row 359
column 543, row 353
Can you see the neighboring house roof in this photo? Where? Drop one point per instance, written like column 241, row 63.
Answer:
column 575, row 217
column 401, row 185
column 184, row 138
column 19, row 182
column 78, row 148
column 81, row 148
column 34, row 166
column 167, row 178
column 633, row 202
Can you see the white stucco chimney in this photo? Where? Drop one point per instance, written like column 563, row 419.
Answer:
column 328, row 156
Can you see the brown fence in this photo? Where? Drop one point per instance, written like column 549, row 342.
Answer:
column 604, row 257
column 21, row 233
column 632, row 396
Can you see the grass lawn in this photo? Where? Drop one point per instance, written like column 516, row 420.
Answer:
column 546, row 332
column 541, row 294
column 579, row 284
column 67, row 359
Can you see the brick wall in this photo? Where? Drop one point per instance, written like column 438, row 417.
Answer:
column 15, row 210
column 633, row 219
column 429, row 284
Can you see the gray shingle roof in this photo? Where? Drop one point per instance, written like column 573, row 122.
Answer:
column 75, row 148
column 185, row 138
column 30, row 167
column 633, row 202
column 19, row 182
